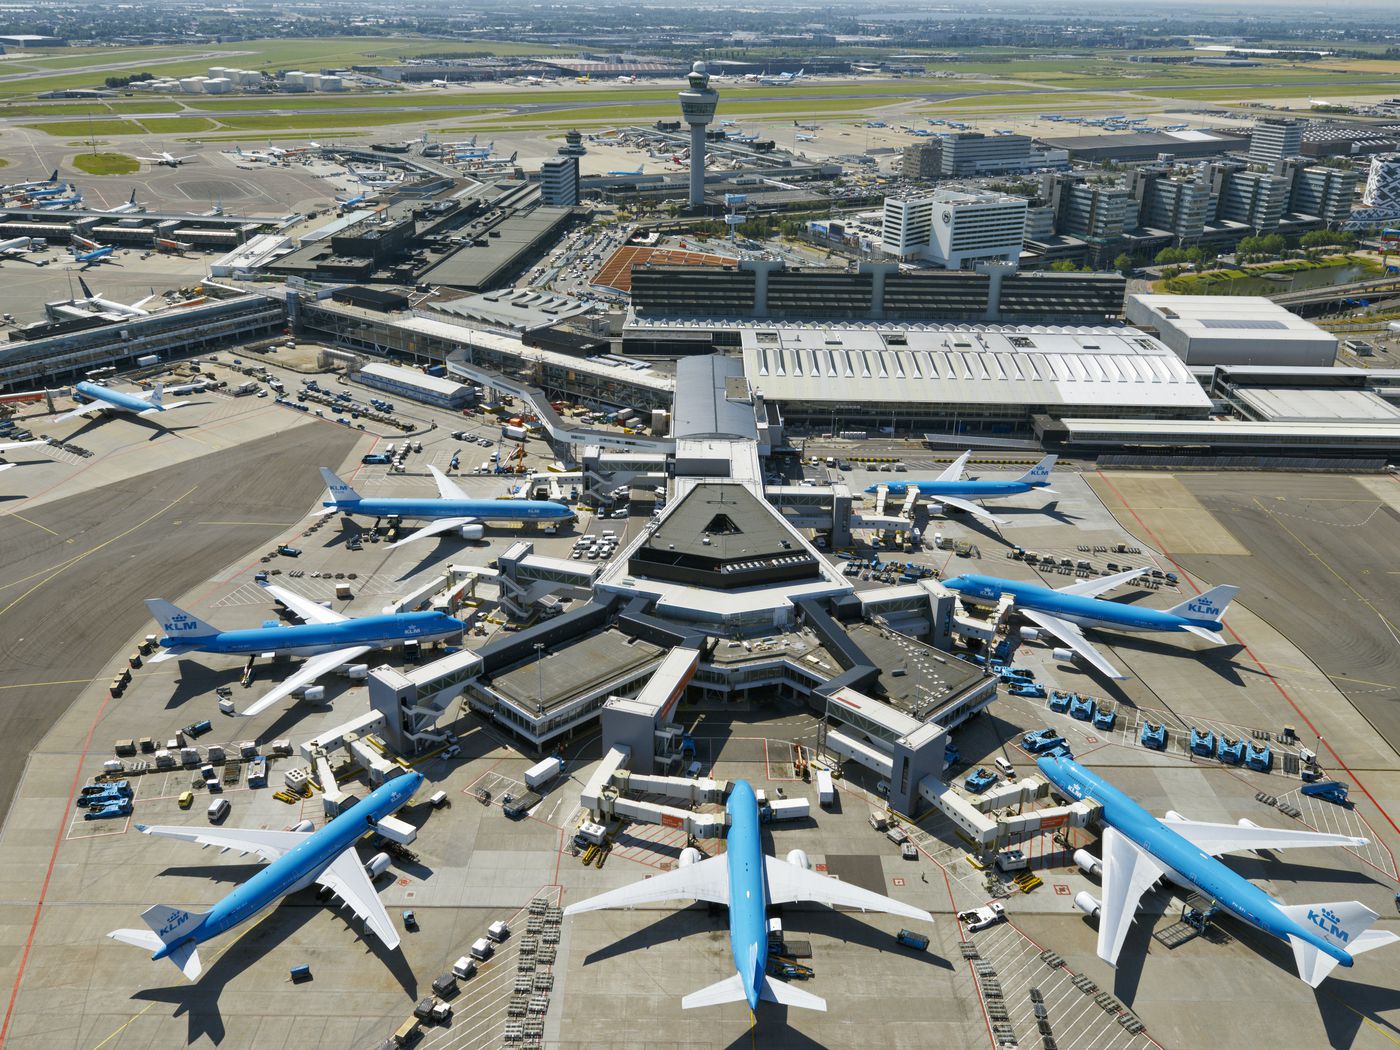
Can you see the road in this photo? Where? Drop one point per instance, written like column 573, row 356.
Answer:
column 109, row 548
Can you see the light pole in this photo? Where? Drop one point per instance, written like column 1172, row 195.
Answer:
column 539, row 664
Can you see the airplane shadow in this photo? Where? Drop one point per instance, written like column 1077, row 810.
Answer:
column 1343, row 1004
column 673, row 926
column 196, row 680
column 235, row 871
column 1277, row 868
column 771, row 1031
column 849, row 927
column 434, row 555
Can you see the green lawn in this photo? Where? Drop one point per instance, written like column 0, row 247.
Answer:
column 88, row 127
column 106, row 163
column 176, row 125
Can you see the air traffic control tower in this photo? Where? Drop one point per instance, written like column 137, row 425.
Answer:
column 698, row 110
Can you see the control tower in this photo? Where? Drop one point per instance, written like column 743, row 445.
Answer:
column 698, row 104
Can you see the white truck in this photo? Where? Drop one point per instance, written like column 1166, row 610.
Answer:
column 826, row 790
column 981, row 918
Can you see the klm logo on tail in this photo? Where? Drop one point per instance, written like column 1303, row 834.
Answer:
column 1328, row 922
column 176, row 920
column 182, row 622
column 1203, row 607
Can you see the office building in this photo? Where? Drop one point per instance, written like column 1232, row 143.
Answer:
column 559, row 181
column 953, row 229
column 1274, row 140
column 972, row 153
column 1328, row 193
column 1383, row 182
column 921, row 161
column 1097, row 212
column 1178, row 206
column 1251, row 198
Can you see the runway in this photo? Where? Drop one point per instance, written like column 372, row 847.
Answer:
column 159, row 535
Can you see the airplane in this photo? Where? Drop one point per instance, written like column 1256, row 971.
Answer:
column 49, row 191
column 259, row 156
column 805, row 138
column 951, row 490
column 734, row 123
column 749, row 883
column 751, row 137
column 627, row 80
column 807, row 127
column 16, row 246
column 93, row 256
column 1139, row 849
column 166, row 160
column 54, row 203
column 782, row 79
column 125, row 208
column 19, row 187
column 103, row 399
column 1062, row 611
column 439, row 83
column 582, row 80
column 329, row 638
column 92, row 303
column 350, row 202
column 539, row 81
column 216, row 209
column 866, row 69
column 638, row 171
column 7, row 446
column 296, row 859
column 452, row 509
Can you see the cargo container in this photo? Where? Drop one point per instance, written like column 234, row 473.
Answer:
column 543, row 772
column 482, row 948
column 498, row 930
column 146, row 360
column 464, row 967
column 514, row 433
column 826, row 790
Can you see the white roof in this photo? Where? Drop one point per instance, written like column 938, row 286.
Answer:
column 411, row 378
column 1242, row 428
column 1221, row 317
column 968, row 364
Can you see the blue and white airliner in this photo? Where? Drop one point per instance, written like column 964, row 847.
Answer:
column 329, row 638
column 1139, row 849
column 951, row 490
column 748, row 882
column 452, row 510
column 1063, row 611
column 105, row 399
column 297, row 859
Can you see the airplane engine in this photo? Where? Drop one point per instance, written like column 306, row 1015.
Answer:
column 1031, row 634
column 1172, row 814
column 1088, row 863
column 935, row 508
column 798, row 859
column 1088, row 903
column 304, row 826
column 1064, row 656
column 690, row 855
column 314, row 692
column 377, row 865
column 359, row 672
column 471, row 532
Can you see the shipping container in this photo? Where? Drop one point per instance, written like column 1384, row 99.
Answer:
column 146, row 360
column 826, row 790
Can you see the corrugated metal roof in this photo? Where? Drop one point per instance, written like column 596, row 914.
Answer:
column 702, row 407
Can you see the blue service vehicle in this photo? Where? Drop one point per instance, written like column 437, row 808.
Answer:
column 1259, row 757
column 1059, row 701
column 1034, row 690
column 1081, row 708
column 1231, row 752
column 979, row 780
column 1154, row 736
column 377, row 459
column 910, row 939
column 1202, row 742
column 1105, row 718
column 123, row 786
column 951, row 754
column 1039, row 745
column 1327, row 790
column 109, row 810
column 1060, row 750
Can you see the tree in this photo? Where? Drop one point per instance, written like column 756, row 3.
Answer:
column 1169, row 257
column 1275, row 244
column 1063, row 266
column 1123, row 263
column 1195, row 257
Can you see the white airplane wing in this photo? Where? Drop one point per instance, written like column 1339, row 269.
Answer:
column 156, row 409
column 969, row 506
column 1128, row 873
column 1102, row 585
column 347, row 879
column 22, row 444
column 1073, row 637
column 706, row 881
column 447, row 488
column 954, row 470
column 311, row 612
column 1216, row 839
column 269, row 845
column 307, row 673
column 788, row 883
column 433, row 528
column 1200, row 632
column 81, row 410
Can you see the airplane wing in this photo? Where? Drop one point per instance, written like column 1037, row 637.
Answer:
column 1102, row 585
column 447, row 488
column 705, row 881
column 154, row 409
column 307, row 673
column 311, row 612
column 7, row 446
column 347, row 879
column 969, row 506
column 81, row 410
column 954, row 470
column 1073, row 637
column 1128, row 873
column 1201, row 632
column 1216, row 839
column 269, row 845
column 433, row 528
column 788, row 883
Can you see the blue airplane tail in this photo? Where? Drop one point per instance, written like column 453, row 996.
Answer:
column 1344, row 925
column 1208, row 607
column 171, row 937
column 1040, row 473
column 340, row 492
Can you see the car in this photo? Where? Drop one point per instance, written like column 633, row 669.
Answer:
column 410, row 921
column 290, row 552
column 186, row 799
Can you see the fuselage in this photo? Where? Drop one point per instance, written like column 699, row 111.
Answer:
column 407, row 509
column 307, row 639
column 114, row 399
column 961, row 489
column 300, row 866
column 1076, row 608
column 1186, row 863
column 748, row 891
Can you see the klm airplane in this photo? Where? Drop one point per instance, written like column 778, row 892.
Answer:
column 1139, row 850
column 951, row 490
column 1062, row 611
column 297, row 859
column 453, row 509
column 748, row 882
column 329, row 638
column 105, row 399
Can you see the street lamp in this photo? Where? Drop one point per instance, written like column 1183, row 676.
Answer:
column 539, row 664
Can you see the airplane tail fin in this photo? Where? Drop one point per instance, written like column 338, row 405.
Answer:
column 729, row 990
column 132, row 198
column 178, row 624
column 54, row 176
column 83, row 285
column 1208, row 607
column 158, row 395
column 340, row 492
column 169, row 926
column 790, row 995
column 1040, row 473
column 1344, row 925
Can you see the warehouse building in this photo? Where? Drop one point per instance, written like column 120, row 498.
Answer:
column 1149, row 145
column 1231, row 330
column 416, row 386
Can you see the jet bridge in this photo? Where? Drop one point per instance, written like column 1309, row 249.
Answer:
column 526, row 577
column 999, row 816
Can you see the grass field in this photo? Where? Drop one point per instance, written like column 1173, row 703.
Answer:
column 177, row 125
column 106, row 163
column 88, row 127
